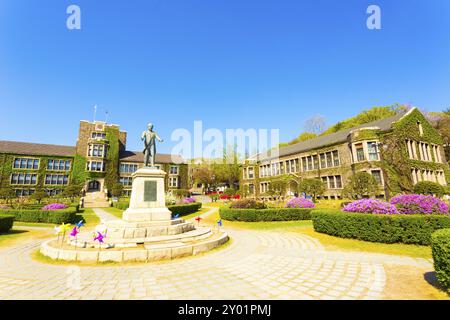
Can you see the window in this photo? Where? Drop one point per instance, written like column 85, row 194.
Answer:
column 250, row 173
column 336, row 158
column 420, row 128
column 126, row 181
column 331, row 182
column 24, row 192
column 310, row 163
column 372, row 149
column 26, row 163
column 98, row 135
column 323, row 162
column 60, row 165
column 53, row 192
column 377, row 175
column 57, row 179
column 23, row 178
column 173, row 182
column 338, row 182
column 128, row 167
column 97, row 150
column 304, row 164
column 360, row 152
column 329, row 159
column 98, row 166
column 173, row 170
column 251, row 188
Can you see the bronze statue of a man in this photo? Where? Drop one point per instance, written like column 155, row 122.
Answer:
column 149, row 137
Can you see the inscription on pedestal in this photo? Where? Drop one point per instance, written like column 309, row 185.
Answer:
column 150, row 191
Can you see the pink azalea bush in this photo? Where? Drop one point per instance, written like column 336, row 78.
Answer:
column 54, row 206
column 188, row 200
column 371, row 206
column 419, row 204
column 299, row 203
column 3, row 207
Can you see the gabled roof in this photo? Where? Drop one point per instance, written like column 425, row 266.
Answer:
column 36, row 149
column 138, row 156
column 330, row 139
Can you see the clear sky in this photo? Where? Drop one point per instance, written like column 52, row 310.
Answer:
column 230, row 63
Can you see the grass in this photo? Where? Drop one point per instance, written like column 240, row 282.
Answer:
column 89, row 217
column 114, row 211
column 21, row 235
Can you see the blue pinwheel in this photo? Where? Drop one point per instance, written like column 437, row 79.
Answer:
column 80, row 224
column 219, row 223
column 176, row 216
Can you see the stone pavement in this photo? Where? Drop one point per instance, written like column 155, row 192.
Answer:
column 256, row 265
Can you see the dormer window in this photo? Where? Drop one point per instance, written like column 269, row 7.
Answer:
column 420, row 128
column 98, row 135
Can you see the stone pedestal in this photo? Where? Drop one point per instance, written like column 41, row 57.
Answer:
column 147, row 201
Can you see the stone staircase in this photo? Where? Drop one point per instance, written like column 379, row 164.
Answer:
column 96, row 200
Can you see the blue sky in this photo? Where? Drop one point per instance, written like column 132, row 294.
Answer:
column 230, row 63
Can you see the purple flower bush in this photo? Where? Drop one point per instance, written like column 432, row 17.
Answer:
column 188, row 200
column 54, row 206
column 419, row 204
column 3, row 207
column 371, row 206
column 299, row 203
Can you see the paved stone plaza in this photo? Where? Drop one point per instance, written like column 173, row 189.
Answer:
column 256, row 265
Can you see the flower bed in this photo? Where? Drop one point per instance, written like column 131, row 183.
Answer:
column 54, row 206
column 370, row 206
column 6, row 223
column 275, row 214
column 188, row 200
column 300, row 203
column 440, row 246
column 384, row 228
column 419, row 204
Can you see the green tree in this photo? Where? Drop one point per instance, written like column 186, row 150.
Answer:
column 7, row 194
column 312, row 187
column 278, row 188
column 39, row 195
column 72, row 191
column 428, row 187
column 360, row 184
column 116, row 189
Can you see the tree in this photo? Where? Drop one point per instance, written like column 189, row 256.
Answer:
column 428, row 187
column 72, row 191
column 39, row 195
column 7, row 194
column 312, row 187
column 116, row 189
column 203, row 174
column 304, row 136
column 278, row 188
column 315, row 125
column 360, row 184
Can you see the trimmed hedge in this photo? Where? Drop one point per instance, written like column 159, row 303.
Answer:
column 410, row 229
column 440, row 246
column 57, row 216
column 6, row 223
column 275, row 214
column 184, row 209
column 181, row 209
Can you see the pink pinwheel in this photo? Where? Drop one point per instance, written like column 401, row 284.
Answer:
column 99, row 237
column 74, row 232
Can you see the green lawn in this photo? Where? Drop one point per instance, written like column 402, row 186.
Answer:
column 88, row 215
column 114, row 211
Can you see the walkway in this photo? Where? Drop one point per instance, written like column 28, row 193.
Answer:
column 256, row 265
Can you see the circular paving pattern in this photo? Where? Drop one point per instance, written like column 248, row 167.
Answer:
column 256, row 265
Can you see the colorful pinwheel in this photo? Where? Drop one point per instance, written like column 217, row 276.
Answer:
column 74, row 232
column 198, row 219
column 176, row 216
column 219, row 223
column 80, row 224
column 99, row 237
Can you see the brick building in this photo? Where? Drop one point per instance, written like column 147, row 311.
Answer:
column 398, row 151
column 98, row 160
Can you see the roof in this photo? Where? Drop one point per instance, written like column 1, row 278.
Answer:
column 138, row 156
column 36, row 149
column 332, row 138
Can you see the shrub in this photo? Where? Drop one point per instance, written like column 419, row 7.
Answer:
column 230, row 192
column 419, row 204
column 54, row 206
column 440, row 246
column 428, row 187
column 360, row 184
column 410, row 229
column 276, row 214
column 67, row 215
column 184, row 209
column 6, row 223
column 180, row 193
column 248, row 204
column 121, row 204
column 371, row 206
column 300, row 203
